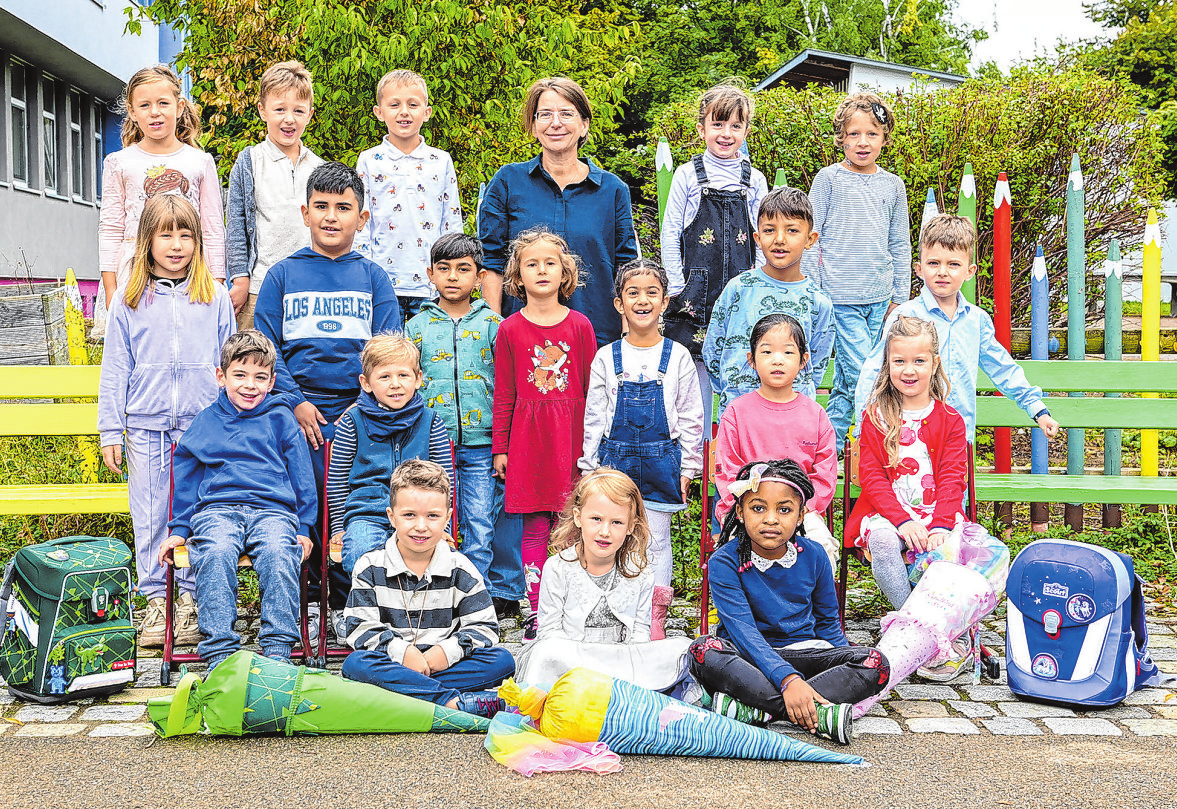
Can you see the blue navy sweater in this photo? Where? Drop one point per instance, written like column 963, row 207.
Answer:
column 760, row 612
column 319, row 312
column 253, row 458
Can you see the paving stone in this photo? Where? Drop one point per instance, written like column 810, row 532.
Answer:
column 919, row 710
column 973, row 710
column 1159, row 629
column 6, row 698
column 114, row 713
column 1162, row 642
column 1119, row 713
column 4, row 727
column 956, row 726
column 876, row 710
column 139, row 695
column 989, row 693
column 1168, row 666
column 124, row 729
column 1151, row 696
column 680, row 624
column 1009, row 726
column 45, row 713
column 1031, row 710
column 876, row 725
column 1162, row 653
column 1167, row 711
column 1152, row 727
column 43, row 731
column 1064, row 726
column 935, row 692
column 860, row 637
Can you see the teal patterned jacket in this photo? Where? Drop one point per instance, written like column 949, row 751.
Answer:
column 457, row 360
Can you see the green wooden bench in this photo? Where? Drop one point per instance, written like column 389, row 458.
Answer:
column 1088, row 412
column 25, row 418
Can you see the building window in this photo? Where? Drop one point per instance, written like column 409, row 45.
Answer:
column 49, row 132
column 77, row 145
column 20, row 124
column 99, row 155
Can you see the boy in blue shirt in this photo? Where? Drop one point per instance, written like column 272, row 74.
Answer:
column 320, row 307
column 243, row 484
column 968, row 340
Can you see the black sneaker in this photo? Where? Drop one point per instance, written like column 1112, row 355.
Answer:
column 481, row 703
column 506, row 608
column 529, row 627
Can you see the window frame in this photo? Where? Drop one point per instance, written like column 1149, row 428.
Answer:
column 21, row 140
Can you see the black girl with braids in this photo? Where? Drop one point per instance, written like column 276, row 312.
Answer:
column 747, row 481
column 780, row 650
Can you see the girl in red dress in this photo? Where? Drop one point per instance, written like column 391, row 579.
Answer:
column 543, row 355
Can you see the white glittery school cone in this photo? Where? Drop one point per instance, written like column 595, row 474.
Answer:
column 948, row 600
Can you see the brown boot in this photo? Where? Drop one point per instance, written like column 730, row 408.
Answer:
column 663, row 596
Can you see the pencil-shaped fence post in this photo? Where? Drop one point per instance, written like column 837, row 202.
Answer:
column 664, row 169
column 1039, row 350
column 478, row 209
column 1150, row 332
column 966, row 206
column 779, row 181
column 1002, row 256
column 1076, row 320
column 1113, row 350
column 930, row 209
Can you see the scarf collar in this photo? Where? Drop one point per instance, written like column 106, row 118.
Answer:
column 381, row 423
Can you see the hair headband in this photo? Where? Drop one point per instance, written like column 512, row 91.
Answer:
column 741, row 487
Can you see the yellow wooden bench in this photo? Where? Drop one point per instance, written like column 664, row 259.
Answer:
column 22, row 417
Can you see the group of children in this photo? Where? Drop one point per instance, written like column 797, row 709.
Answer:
column 421, row 387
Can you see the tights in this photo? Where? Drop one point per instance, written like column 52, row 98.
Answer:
column 886, row 550
column 537, row 531
column 658, row 551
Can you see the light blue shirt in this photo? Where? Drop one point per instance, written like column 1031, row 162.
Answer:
column 967, row 342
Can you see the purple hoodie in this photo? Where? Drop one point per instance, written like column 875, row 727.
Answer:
column 159, row 361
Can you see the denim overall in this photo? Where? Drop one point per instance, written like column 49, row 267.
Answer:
column 639, row 442
column 716, row 247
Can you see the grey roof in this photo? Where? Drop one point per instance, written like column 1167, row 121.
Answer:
column 826, row 66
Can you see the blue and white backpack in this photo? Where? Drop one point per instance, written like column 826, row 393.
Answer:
column 1075, row 628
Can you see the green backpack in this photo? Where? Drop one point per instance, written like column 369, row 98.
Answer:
column 68, row 631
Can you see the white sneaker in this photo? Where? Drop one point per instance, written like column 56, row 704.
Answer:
column 337, row 625
column 313, row 623
column 187, row 628
column 151, row 628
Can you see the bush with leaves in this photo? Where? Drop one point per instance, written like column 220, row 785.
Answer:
column 1028, row 124
column 477, row 57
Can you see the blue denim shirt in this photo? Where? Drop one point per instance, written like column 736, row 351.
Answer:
column 967, row 342
column 594, row 216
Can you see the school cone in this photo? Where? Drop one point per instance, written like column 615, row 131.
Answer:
column 586, row 707
column 249, row 694
column 948, row 600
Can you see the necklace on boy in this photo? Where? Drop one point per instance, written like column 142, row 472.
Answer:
column 408, row 603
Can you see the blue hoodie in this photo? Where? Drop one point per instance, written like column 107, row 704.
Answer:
column 253, row 458
column 319, row 312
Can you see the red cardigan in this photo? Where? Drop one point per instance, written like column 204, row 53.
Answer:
column 944, row 433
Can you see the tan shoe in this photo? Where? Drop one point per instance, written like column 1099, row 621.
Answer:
column 187, row 631
column 151, row 628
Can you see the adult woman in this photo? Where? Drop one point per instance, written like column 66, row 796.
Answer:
column 557, row 190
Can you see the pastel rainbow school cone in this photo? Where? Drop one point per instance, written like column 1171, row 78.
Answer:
column 948, row 600
column 249, row 694
column 585, row 707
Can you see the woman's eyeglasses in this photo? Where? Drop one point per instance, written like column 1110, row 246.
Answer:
column 566, row 116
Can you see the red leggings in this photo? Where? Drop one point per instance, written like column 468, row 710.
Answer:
column 537, row 530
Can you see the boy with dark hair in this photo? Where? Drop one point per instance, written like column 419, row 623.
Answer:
column 243, row 484
column 319, row 307
column 456, row 336
column 418, row 615
column 784, row 230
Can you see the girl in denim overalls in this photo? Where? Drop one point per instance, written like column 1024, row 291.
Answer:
column 710, row 217
column 644, row 416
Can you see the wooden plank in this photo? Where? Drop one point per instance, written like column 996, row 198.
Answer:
column 49, row 382
column 106, row 498
column 1095, row 413
column 1076, row 489
column 1095, row 376
column 48, row 419
column 1020, row 342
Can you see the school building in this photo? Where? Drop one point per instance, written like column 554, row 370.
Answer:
column 63, row 65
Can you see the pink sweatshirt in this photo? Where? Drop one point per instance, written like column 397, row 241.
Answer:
column 132, row 176
column 755, row 429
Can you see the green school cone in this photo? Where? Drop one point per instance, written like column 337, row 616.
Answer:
column 249, row 694
column 966, row 206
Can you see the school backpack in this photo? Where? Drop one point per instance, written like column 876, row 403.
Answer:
column 1075, row 628
column 68, row 631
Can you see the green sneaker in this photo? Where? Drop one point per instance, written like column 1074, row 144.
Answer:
column 834, row 721
column 732, row 708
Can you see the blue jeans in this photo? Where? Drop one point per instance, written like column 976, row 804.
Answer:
column 410, row 306
column 480, row 502
column 505, row 576
column 220, row 534
column 481, row 669
column 360, row 537
column 856, row 330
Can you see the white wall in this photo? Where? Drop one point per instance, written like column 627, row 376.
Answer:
column 877, row 77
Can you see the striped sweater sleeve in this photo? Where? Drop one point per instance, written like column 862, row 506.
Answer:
column 475, row 624
column 440, row 451
column 343, row 454
column 364, row 624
